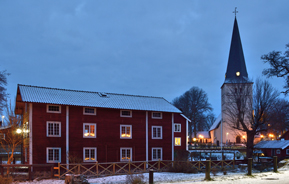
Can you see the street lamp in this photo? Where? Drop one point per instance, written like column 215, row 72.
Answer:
column 2, row 119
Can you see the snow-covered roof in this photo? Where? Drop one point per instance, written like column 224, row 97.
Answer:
column 38, row 94
column 206, row 134
column 272, row 144
column 216, row 123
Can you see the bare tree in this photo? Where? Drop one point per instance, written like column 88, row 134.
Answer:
column 10, row 137
column 279, row 66
column 278, row 116
column 247, row 110
column 194, row 104
column 3, row 94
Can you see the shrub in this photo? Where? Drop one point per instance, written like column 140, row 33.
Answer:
column 135, row 179
column 6, row 180
column 214, row 171
column 182, row 167
column 181, row 155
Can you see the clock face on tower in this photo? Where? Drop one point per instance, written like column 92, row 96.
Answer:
column 237, row 74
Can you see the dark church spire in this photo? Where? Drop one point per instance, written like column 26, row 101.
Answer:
column 236, row 68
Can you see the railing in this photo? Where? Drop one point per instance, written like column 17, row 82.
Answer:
column 117, row 168
column 105, row 169
column 25, row 171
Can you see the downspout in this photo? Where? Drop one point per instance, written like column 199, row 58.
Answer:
column 30, row 135
column 147, row 138
column 172, row 136
column 67, row 136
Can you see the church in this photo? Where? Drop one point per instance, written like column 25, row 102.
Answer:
column 236, row 82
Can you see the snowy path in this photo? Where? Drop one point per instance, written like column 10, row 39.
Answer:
column 282, row 177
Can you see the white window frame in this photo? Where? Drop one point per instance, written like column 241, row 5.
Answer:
column 155, row 159
column 47, row 128
column 161, row 136
column 130, row 126
column 127, row 116
column 48, row 111
column 180, row 141
column 153, row 117
column 2, row 136
column 95, row 154
column 47, row 155
column 178, row 125
column 85, row 113
column 287, row 151
column 125, row 160
column 83, row 132
column 278, row 151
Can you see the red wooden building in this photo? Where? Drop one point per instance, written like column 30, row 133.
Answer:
column 278, row 148
column 94, row 126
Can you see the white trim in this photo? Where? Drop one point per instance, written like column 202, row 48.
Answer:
column 130, row 126
column 67, row 135
column 125, row 148
column 278, row 151
column 53, row 148
column 2, row 136
column 30, row 134
column 161, row 132
column 177, row 124
column 187, row 135
column 186, row 118
column 147, row 137
column 85, row 113
column 126, row 116
column 95, row 154
column 47, row 128
column 89, row 129
column 153, row 117
column 156, row 148
column 48, row 111
column 173, row 126
column 180, row 141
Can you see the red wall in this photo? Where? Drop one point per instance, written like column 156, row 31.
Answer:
column 107, row 141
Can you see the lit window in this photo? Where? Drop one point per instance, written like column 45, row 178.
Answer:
column 125, row 113
column 53, row 155
column 278, row 151
column 157, row 153
column 125, row 154
column 89, row 154
column 177, row 141
column 89, row 130
column 53, row 129
column 89, row 111
column 125, row 131
column 177, row 127
column 157, row 132
column 53, row 108
column 157, row 115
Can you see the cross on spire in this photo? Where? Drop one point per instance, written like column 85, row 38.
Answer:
column 235, row 11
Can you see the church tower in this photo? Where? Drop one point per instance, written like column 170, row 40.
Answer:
column 236, row 83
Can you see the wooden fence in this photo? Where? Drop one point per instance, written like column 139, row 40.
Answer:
column 25, row 171
column 107, row 169
column 117, row 168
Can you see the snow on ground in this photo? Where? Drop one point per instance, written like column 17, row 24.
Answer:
column 231, row 178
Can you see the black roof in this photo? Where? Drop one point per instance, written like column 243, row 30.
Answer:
column 236, row 62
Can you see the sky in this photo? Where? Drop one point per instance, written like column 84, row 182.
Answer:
column 154, row 48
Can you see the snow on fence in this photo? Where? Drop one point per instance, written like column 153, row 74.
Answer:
column 118, row 168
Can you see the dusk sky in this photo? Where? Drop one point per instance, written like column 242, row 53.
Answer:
column 142, row 47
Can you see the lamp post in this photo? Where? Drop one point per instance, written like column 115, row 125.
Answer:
column 20, row 131
column 2, row 119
